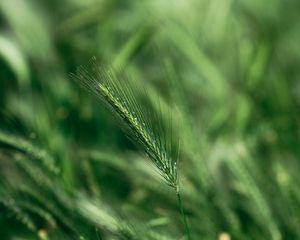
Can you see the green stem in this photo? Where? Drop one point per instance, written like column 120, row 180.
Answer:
column 186, row 226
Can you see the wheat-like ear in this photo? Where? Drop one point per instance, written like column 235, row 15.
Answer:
column 146, row 127
column 129, row 102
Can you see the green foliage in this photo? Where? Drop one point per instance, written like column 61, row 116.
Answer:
column 221, row 77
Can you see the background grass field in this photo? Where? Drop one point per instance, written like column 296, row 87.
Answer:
column 227, row 70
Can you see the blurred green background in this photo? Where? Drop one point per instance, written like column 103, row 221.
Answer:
column 229, row 70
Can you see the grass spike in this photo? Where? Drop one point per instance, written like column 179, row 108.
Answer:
column 144, row 125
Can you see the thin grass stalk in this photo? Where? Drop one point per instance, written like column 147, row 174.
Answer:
column 183, row 215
